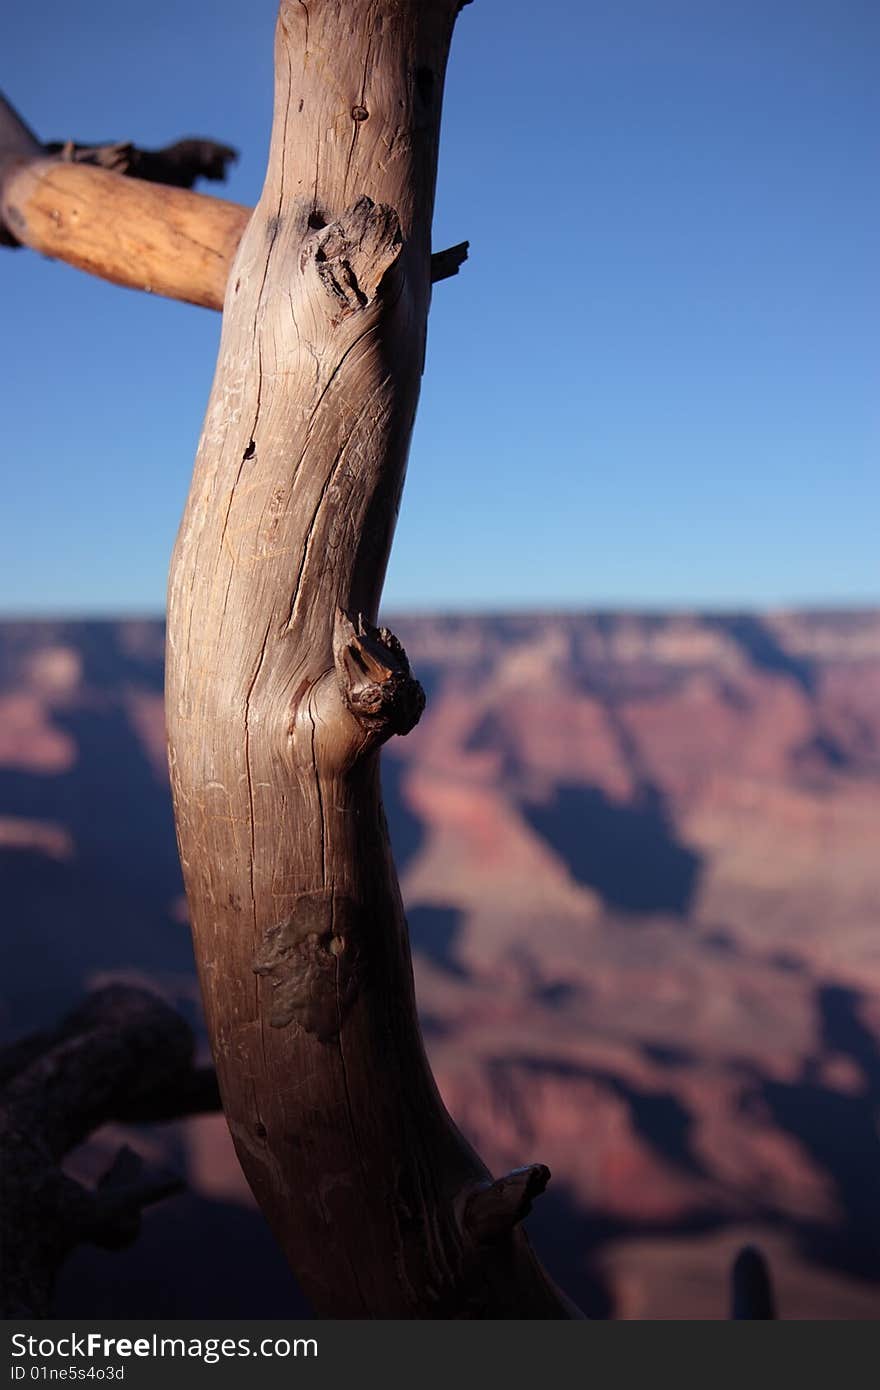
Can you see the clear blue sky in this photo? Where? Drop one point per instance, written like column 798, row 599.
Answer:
column 655, row 381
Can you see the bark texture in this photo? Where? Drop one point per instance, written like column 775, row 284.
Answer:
column 281, row 689
column 77, row 207
column 166, row 241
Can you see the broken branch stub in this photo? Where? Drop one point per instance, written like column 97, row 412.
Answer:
column 375, row 679
column 497, row 1207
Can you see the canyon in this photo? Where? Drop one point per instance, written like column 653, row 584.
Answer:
column 639, row 859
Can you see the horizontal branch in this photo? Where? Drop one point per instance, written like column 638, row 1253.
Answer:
column 128, row 215
column 167, row 241
column 445, row 264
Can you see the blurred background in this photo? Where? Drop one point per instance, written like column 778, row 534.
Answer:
column 635, row 568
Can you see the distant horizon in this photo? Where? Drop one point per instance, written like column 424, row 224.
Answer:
column 508, row 610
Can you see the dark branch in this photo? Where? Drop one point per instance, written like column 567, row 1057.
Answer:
column 449, row 262
column 194, row 1093
column 124, row 1054
column 493, row 1211
column 17, row 143
column 178, row 165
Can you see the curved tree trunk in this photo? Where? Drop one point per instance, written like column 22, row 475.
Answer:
column 280, row 692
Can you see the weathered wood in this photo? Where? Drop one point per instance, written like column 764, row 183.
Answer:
column 145, row 231
column 122, row 1055
column 78, row 208
column 280, row 690
column 495, row 1207
column 166, row 241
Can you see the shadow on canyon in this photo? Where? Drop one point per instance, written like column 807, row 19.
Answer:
column 627, row 853
column 837, row 1129
column 194, row 1258
column 108, row 910
column 109, row 906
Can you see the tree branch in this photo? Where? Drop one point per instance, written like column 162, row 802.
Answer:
column 18, row 143
column 122, row 1055
column 493, row 1210
column 176, row 166
column 445, row 264
column 127, row 214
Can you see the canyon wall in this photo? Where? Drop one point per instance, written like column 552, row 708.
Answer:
column 639, row 857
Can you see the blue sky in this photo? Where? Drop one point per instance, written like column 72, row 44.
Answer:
column 653, row 384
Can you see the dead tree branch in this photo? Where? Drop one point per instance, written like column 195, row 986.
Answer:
column 122, row 1055
column 175, row 166
column 126, row 214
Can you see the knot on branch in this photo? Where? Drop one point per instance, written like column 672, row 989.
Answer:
column 353, row 254
column 377, row 684
column 493, row 1210
column 311, row 961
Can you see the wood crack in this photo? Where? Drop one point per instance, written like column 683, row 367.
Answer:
column 247, row 763
column 320, row 794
